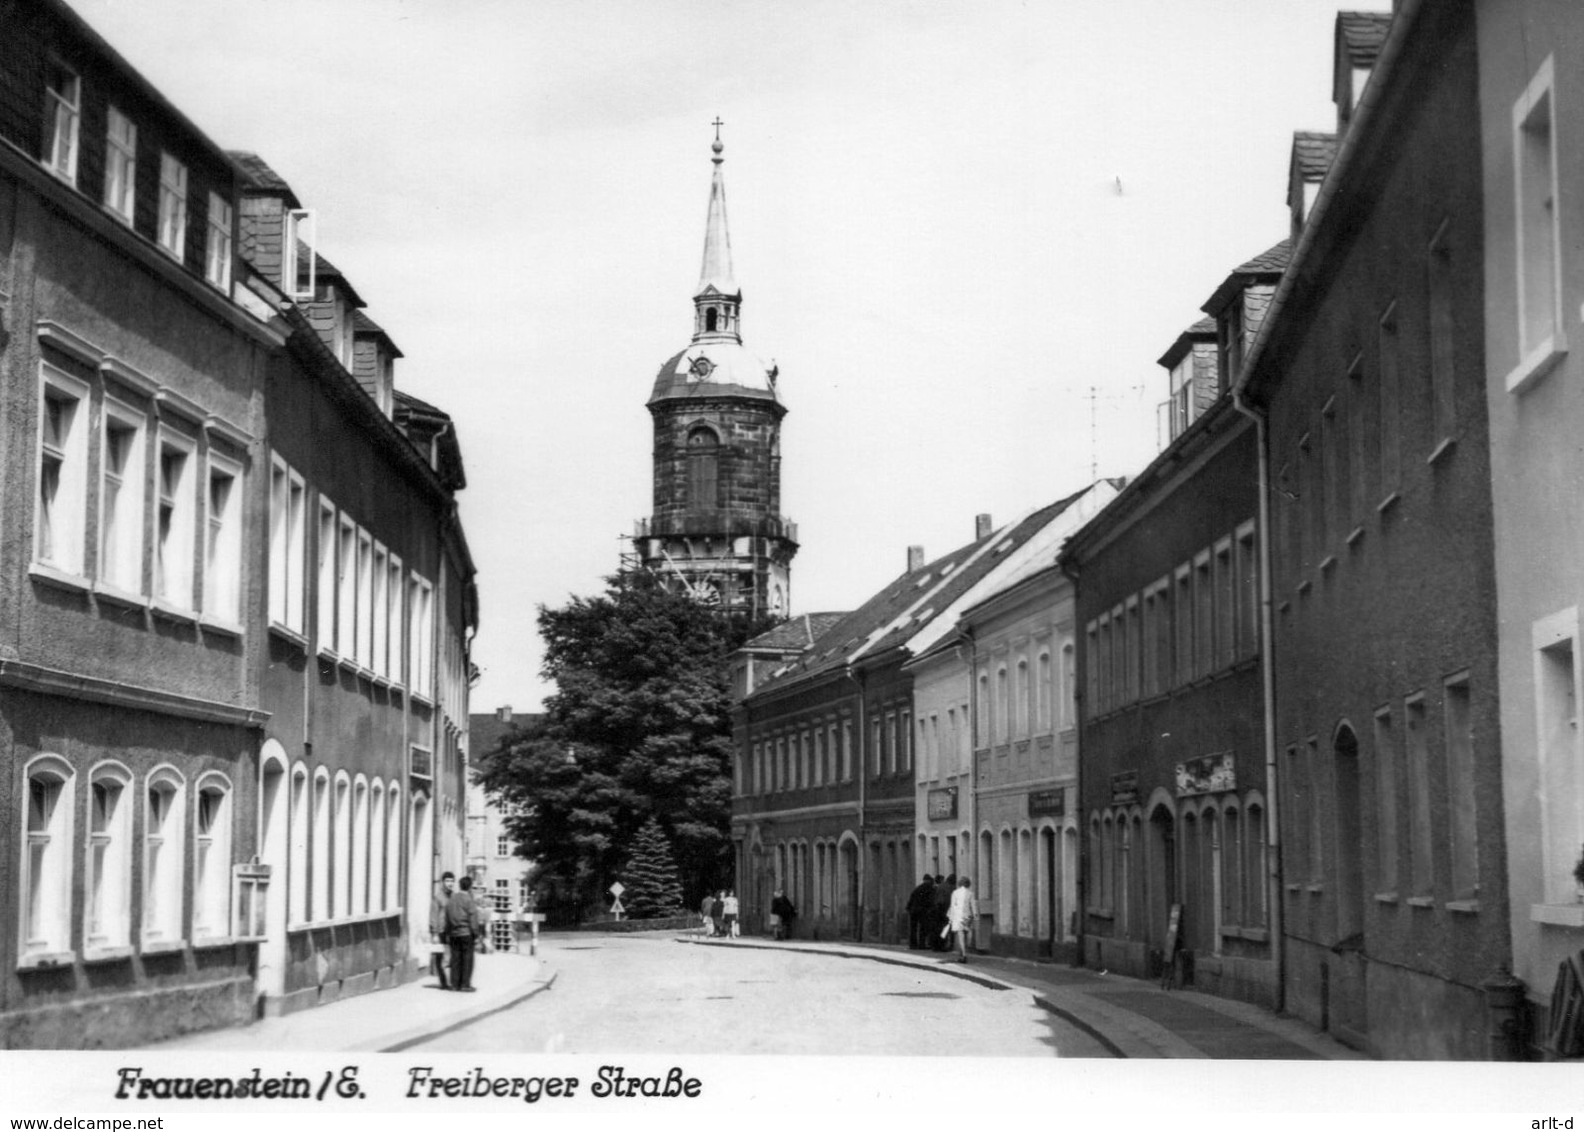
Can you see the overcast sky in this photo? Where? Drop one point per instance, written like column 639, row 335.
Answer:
column 965, row 231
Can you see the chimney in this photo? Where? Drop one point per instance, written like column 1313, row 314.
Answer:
column 982, row 526
column 915, row 558
column 503, row 714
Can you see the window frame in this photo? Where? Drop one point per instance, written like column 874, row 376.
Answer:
column 222, row 557
column 120, row 567
column 287, row 546
column 176, row 546
column 65, row 514
column 170, row 233
column 107, row 853
column 164, row 874
column 212, row 853
column 63, row 121
column 120, row 183
column 1537, row 240
column 219, row 242
column 45, row 893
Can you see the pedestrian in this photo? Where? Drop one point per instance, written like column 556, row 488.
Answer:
column 940, row 934
column 718, row 912
column 963, row 913
column 920, row 906
column 705, row 909
column 462, row 919
column 729, row 914
column 782, row 913
column 438, row 939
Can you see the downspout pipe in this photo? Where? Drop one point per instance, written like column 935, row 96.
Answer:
column 966, row 633
column 862, row 770
column 1081, row 885
column 1273, row 857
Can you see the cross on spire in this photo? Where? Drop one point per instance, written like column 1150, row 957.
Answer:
column 717, row 123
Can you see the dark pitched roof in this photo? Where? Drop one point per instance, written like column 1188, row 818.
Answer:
column 485, row 730
column 259, row 175
column 795, row 633
column 420, row 408
column 1202, row 331
column 363, row 324
column 1363, row 33
column 1272, row 261
column 877, row 626
column 1266, row 267
column 1312, row 153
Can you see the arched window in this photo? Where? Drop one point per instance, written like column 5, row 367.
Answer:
column 299, row 910
column 983, row 738
column 1003, row 713
column 703, row 458
column 1254, row 865
column 1024, row 701
column 986, row 863
column 359, row 847
column 393, row 842
column 378, row 862
column 1096, row 869
column 1069, row 698
column 162, row 856
column 46, row 878
column 108, row 915
column 342, row 846
column 1232, row 871
column 321, row 846
column 212, row 858
column 1045, row 690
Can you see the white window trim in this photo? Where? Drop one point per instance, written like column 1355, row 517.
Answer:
column 365, row 600
column 319, row 910
column 341, row 849
column 68, row 112
column 52, row 943
column 393, row 844
column 326, row 541
column 299, row 858
column 222, row 558
column 184, row 521
column 395, row 594
column 68, row 510
column 301, row 225
column 346, row 588
column 120, row 187
column 287, row 591
column 171, row 233
column 1537, row 358
column 420, row 636
column 124, row 575
column 211, row 889
column 112, row 936
column 164, row 889
column 359, row 848
column 380, row 604
column 218, row 244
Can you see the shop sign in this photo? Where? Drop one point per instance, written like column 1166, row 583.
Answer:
column 942, row 804
column 1125, row 788
column 1042, row 802
column 1208, row 774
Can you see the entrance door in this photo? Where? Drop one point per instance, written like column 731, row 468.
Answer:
column 1163, row 873
column 1349, row 1005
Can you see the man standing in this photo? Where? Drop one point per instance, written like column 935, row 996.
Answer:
column 705, row 909
column 462, row 916
column 438, row 940
column 920, row 906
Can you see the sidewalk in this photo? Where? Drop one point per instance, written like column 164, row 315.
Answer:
column 388, row 1020
column 1130, row 1017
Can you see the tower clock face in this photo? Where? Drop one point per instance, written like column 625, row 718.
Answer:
column 701, row 368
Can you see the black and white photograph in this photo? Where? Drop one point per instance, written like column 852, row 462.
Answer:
column 1079, row 564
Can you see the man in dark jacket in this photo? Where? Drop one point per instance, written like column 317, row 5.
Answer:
column 943, row 895
column 920, row 906
column 437, row 926
column 782, row 913
column 462, row 920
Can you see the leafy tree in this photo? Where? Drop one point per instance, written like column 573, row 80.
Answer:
column 650, row 879
column 639, row 727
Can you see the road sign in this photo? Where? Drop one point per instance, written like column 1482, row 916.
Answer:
column 616, row 890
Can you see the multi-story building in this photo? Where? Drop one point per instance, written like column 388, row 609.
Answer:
column 1175, row 794
column 221, row 635
column 501, row 875
column 1368, row 373
column 824, row 780
column 717, row 530
column 1533, row 224
column 1023, row 660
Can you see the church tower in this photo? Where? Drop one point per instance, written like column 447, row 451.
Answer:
column 717, row 531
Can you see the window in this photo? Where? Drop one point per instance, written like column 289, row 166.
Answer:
column 1562, row 785
column 321, row 845
column 173, row 544
column 1232, row 873
column 346, row 589
column 703, row 453
column 1069, row 685
column 1386, row 801
column 503, row 845
column 63, row 471
column 420, row 636
column 46, row 867
column 341, row 848
column 1538, row 237
column 1204, row 607
column 298, row 260
column 1225, row 605
column 1390, row 406
column 288, row 513
column 1359, row 400
column 392, row 846
column 1024, row 700
column 62, row 118
column 1461, row 802
column 212, row 859
column 1046, row 690
column 173, row 206
column 1150, row 685
column 108, row 914
column 326, row 625
column 217, row 251
column 1322, row 469
column 359, row 849
column 905, row 738
column 1102, row 665
column 1129, row 625
column 377, row 861
column 121, row 485
column 1003, row 713
column 1300, row 801
column 1248, row 598
column 1443, row 356
column 1316, row 832
column 393, row 600
column 876, row 747
column 298, row 910
column 162, row 857
column 1420, row 844
column 1183, row 638
column 223, row 549
column 847, row 759
column 380, row 661
column 120, row 185
column 365, row 600
column 1254, row 863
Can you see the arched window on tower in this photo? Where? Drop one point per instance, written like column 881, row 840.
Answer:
column 703, row 456
column 710, row 317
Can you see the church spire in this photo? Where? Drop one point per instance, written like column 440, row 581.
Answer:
column 717, row 301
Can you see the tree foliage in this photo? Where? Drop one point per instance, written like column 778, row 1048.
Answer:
column 650, row 878
column 639, row 727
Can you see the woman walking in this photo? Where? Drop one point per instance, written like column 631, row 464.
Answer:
column 961, row 915
column 729, row 914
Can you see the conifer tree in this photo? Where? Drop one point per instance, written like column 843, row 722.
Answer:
column 651, row 882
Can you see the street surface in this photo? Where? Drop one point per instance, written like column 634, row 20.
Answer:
column 651, row 993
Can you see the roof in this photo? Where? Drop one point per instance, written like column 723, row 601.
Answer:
column 363, row 324
column 259, row 175
column 1202, row 331
column 1363, row 33
column 485, row 730
column 1312, row 153
column 324, row 269
column 716, row 270
column 1267, row 267
column 794, row 633
column 716, row 368
column 909, row 603
column 439, row 425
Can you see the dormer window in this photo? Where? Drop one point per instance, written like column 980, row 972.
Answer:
column 297, row 254
column 62, row 117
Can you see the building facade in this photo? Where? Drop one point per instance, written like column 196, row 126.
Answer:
column 501, row 875
column 717, row 530
column 1532, row 147
column 1370, row 381
column 224, row 639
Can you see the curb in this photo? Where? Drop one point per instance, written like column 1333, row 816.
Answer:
column 415, row 1035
